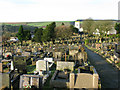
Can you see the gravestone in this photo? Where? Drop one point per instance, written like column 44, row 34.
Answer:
column 19, row 62
column 73, row 52
column 42, row 65
column 61, row 65
column 27, row 54
column 19, row 50
column 4, row 81
column 82, row 57
column 33, row 59
column 98, row 46
column 49, row 59
column 57, row 54
column 31, row 81
column 1, row 68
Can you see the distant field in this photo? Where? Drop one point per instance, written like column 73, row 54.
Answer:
column 39, row 24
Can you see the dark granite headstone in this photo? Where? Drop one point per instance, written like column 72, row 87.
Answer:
column 19, row 62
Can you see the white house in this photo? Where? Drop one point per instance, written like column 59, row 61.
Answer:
column 78, row 25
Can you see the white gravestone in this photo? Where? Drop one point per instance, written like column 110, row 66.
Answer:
column 50, row 60
column 42, row 65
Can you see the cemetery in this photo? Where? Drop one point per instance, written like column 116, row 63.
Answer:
column 34, row 67
column 61, row 63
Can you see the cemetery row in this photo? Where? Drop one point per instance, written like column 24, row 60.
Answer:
column 110, row 51
column 47, row 66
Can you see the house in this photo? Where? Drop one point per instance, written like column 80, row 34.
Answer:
column 78, row 25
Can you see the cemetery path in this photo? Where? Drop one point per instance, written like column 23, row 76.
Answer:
column 107, row 73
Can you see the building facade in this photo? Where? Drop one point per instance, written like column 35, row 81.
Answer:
column 78, row 25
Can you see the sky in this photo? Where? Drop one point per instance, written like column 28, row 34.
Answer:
column 57, row 10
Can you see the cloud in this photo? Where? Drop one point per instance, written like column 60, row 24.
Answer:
column 56, row 10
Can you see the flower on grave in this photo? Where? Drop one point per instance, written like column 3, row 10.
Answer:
column 27, row 86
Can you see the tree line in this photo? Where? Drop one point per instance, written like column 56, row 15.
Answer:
column 50, row 33
column 101, row 26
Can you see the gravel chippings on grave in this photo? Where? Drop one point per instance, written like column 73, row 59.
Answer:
column 109, row 75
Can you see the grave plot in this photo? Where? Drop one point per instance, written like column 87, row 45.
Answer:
column 43, row 66
column 30, row 81
column 61, row 75
column 66, row 76
column 9, row 79
column 86, row 77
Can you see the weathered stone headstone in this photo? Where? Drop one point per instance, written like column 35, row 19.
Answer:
column 31, row 81
column 27, row 54
column 61, row 65
column 57, row 54
column 82, row 57
column 1, row 68
column 49, row 59
column 42, row 65
column 73, row 52
column 4, row 81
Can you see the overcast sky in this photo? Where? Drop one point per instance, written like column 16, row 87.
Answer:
column 56, row 10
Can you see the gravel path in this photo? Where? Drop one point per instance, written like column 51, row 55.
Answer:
column 107, row 73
